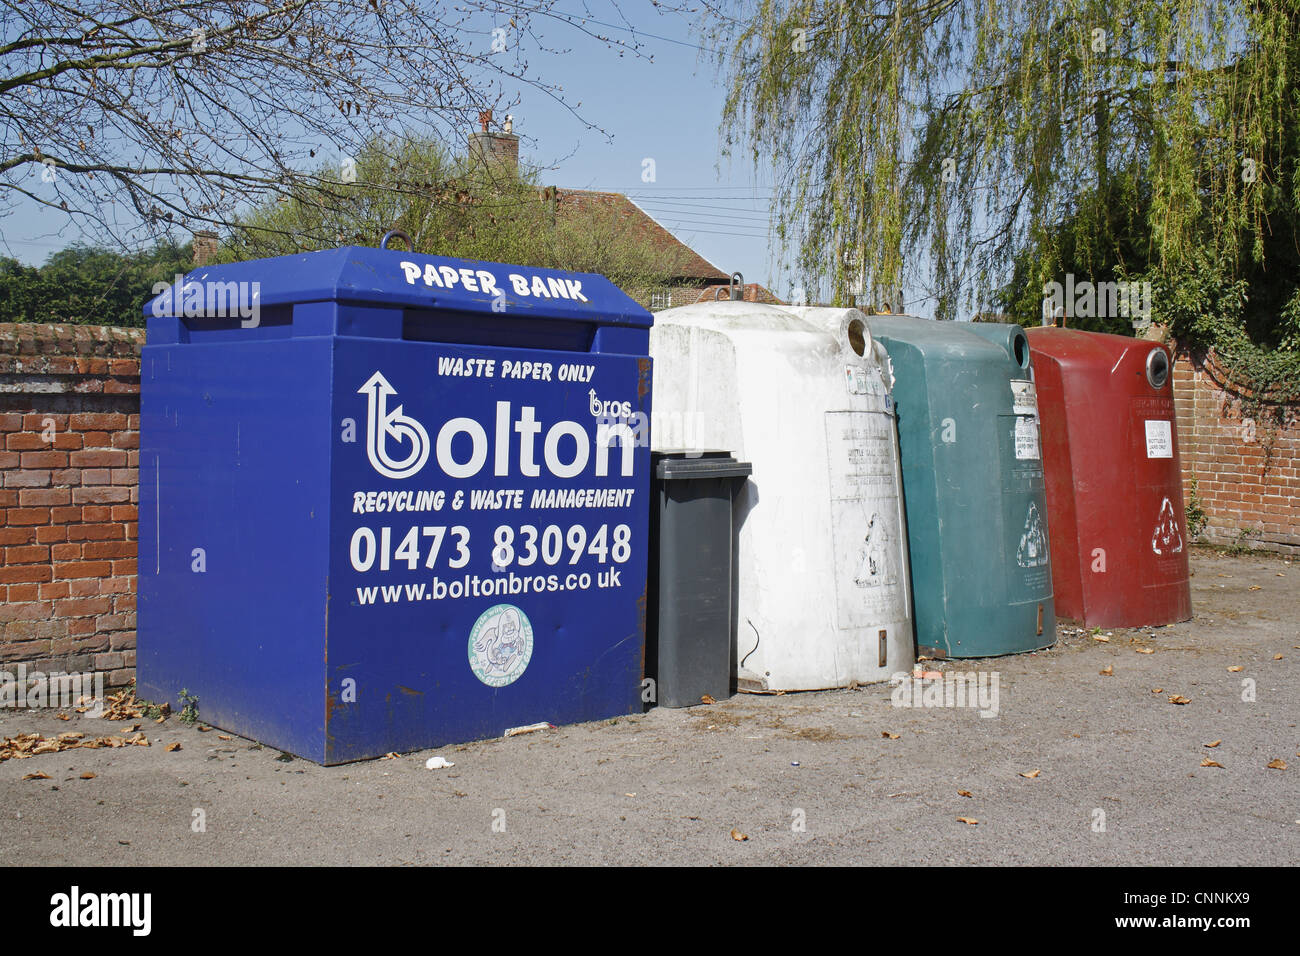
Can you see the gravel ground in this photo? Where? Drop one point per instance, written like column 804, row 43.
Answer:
column 806, row 778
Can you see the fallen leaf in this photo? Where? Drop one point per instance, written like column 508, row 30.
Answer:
column 1107, row 671
column 160, row 720
column 171, row 748
column 1214, row 743
column 1031, row 774
column 1277, row 657
column 738, row 836
column 224, row 737
column 886, row 733
column 63, row 716
column 38, row 775
column 1254, row 587
column 88, row 775
column 963, row 793
column 204, row 730
column 707, row 699
column 1207, row 762
column 969, row 821
column 1179, row 699
column 1101, row 637
column 391, row 755
column 1145, row 650
column 1157, row 690
column 1278, row 764
column 1235, row 669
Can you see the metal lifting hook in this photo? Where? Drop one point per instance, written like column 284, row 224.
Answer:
column 735, row 290
column 383, row 243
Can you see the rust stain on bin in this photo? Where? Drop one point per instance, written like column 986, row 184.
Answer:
column 643, row 367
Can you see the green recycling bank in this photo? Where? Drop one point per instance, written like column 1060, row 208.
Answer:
column 973, row 486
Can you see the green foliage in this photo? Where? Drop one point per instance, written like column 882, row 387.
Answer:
column 1117, row 249
column 1197, row 518
column 1241, row 544
column 89, row 285
column 189, row 707
column 956, row 142
column 451, row 206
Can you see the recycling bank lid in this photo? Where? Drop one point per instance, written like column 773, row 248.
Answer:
column 362, row 275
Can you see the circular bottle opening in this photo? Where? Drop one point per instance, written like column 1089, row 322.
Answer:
column 858, row 336
column 1157, row 368
column 1020, row 349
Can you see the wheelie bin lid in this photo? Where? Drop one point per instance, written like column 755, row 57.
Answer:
column 675, row 464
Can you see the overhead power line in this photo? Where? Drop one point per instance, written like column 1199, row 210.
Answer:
column 735, row 233
column 728, row 212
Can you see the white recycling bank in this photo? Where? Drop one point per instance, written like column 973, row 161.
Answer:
column 803, row 394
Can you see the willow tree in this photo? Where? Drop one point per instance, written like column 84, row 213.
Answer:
column 940, row 143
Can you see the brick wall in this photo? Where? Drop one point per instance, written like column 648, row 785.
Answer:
column 69, row 439
column 671, row 298
column 1247, row 471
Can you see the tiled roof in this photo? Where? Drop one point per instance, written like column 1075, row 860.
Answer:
column 693, row 266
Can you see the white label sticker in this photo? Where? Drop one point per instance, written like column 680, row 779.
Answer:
column 857, row 381
column 1160, row 438
column 1027, row 438
column 1024, row 398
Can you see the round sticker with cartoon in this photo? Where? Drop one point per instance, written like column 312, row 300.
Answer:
column 500, row 645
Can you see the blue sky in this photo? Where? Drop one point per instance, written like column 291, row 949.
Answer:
column 666, row 110
column 663, row 106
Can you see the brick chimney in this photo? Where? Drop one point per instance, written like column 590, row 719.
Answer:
column 498, row 150
column 205, row 247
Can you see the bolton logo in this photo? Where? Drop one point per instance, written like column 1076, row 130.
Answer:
column 383, row 426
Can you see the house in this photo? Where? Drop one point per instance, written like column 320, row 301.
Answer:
column 683, row 276
column 691, row 277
